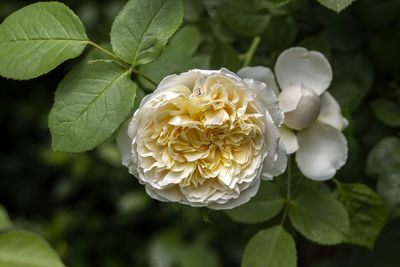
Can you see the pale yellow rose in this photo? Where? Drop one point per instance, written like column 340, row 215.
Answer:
column 205, row 138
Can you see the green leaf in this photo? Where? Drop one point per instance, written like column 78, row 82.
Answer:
column 344, row 36
column 336, row 5
column 133, row 202
column 197, row 255
column 319, row 217
column 384, row 157
column 279, row 33
column 37, row 38
column 388, row 188
column 95, row 53
column 384, row 49
column 347, row 94
column 272, row 3
column 212, row 7
column 4, row 220
column 163, row 248
column 90, row 104
column 366, row 211
column 272, row 247
column 386, row 111
column 225, row 56
column 377, row 13
column 193, row 9
column 176, row 58
column 265, row 205
column 317, row 43
column 168, row 249
column 22, row 249
column 356, row 69
column 244, row 17
column 143, row 27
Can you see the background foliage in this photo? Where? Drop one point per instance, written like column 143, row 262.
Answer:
column 95, row 214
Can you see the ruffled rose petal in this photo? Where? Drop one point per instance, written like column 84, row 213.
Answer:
column 202, row 138
column 124, row 144
column 298, row 66
column 244, row 197
column 322, row 151
column 267, row 98
column 289, row 139
column 330, row 112
column 260, row 73
column 276, row 167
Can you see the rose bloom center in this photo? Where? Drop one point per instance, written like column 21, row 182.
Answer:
column 207, row 138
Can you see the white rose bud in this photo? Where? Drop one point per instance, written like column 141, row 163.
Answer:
column 205, row 138
column 301, row 106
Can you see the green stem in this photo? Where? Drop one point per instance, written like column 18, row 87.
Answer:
column 105, row 51
column 144, row 76
column 252, row 50
column 130, row 67
column 338, row 184
column 288, row 190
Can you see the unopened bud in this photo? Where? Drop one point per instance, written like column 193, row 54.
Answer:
column 301, row 106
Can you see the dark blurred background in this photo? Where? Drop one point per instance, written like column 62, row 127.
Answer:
column 95, row 214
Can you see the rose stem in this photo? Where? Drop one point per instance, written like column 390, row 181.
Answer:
column 130, row 67
column 252, row 50
column 288, row 190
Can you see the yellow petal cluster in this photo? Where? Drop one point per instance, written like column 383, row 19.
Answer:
column 200, row 141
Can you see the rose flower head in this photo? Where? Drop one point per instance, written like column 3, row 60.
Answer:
column 205, row 138
column 313, row 121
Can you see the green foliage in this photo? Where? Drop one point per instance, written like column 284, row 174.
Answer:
column 265, row 205
column 389, row 189
column 225, row 56
column 317, row 43
column 133, row 202
column 244, row 17
column 37, row 38
column 348, row 95
column 366, row 211
column 143, row 27
column 384, row 157
column 336, row 5
column 319, row 217
column 271, row 247
column 356, row 69
column 377, row 13
column 90, row 104
column 386, row 111
column 21, row 248
column 384, row 47
column 176, row 58
column 93, row 207
column 272, row 3
column 4, row 220
column 280, row 32
column 168, row 249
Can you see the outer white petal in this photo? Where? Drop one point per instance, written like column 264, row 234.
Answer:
column 260, row 73
column 124, row 144
column 298, row 66
column 322, row 151
column 244, row 197
column 165, row 195
column 289, row 139
column 267, row 98
column 330, row 112
column 277, row 166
